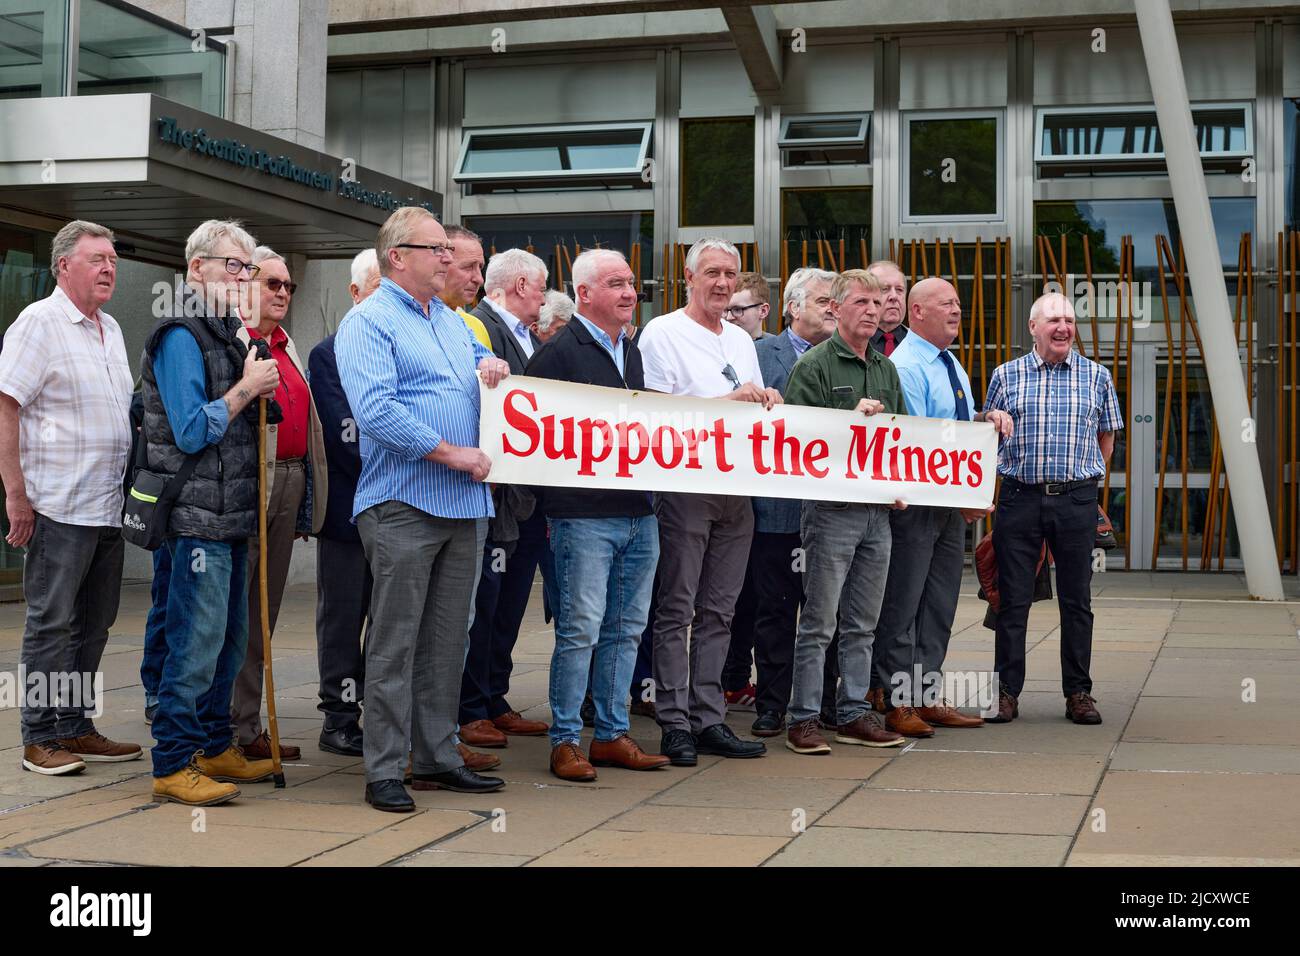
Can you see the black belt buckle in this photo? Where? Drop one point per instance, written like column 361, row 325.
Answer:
column 1054, row 488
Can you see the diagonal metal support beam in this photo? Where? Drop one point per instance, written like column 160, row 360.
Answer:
column 753, row 28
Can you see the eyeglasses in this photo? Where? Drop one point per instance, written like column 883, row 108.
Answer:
column 737, row 311
column 275, row 285
column 731, row 376
column 236, row 266
column 437, row 250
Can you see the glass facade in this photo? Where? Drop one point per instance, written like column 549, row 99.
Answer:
column 382, row 119
column 32, row 54
column 953, row 167
column 717, row 172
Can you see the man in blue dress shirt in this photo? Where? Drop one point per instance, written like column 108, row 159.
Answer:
column 407, row 364
column 925, row 564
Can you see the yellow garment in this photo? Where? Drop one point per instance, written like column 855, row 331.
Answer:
column 477, row 327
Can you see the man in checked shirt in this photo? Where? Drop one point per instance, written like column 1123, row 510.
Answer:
column 1065, row 413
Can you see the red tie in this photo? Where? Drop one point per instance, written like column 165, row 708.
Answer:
column 890, row 344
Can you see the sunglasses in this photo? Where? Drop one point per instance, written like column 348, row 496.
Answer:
column 275, row 285
column 731, row 376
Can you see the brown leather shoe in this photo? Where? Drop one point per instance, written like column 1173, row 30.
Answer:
column 569, row 763
column 51, row 758
column 476, row 761
column 1081, row 709
column 806, row 737
column 642, row 708
column 946, row 715
column 1008, row 709
column 94, row 747
column 869, row 730
column 876, row 698
column 481, row 733
column 512, row 722
column 624, row 752
column 260, row 749
column 906, row 721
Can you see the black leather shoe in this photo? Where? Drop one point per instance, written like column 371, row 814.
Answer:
column 679, row 747
column 588, row 712
column 345, row 740
column 461, row 780
column 389, row 795
column 769, row 724
column 719, row 740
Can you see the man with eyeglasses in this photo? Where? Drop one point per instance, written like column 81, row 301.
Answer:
column 297, row 482
column 749, row 308
column 65, row 393
column 201, row 386
column 408, row 365
column 704, row 538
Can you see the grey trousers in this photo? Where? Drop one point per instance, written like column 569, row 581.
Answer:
column 847, row 560
column 423, row 570
column 704, row 548
column 72, row 578
column 920, row 600
column 281, row 518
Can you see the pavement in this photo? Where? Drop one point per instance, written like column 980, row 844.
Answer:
column 1197, row 763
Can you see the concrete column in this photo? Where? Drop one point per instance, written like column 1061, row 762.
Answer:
column 1227, row 386
column 288, row 69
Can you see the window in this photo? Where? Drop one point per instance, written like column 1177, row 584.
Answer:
column 32, row 54
column 382, row 119
column 842, row 217
column 607, row 155
column 1291, row 160
column 825, row 140
column 952, row 164
column 1109, row 140
column 717, row 172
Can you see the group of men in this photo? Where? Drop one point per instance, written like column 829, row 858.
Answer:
column 376, row 452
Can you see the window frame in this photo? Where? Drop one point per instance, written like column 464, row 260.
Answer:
column 1153, row 158
column 561, row 176
column 998, row 115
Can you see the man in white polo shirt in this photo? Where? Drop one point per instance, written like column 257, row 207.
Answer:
column 65, row 433
column 704, row 538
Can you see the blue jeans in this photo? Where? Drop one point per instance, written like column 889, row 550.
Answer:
column 604, row 569
column 206, row 636
column 155, row 627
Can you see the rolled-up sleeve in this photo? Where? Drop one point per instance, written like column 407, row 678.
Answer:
column 182, row 383
column 364, row 353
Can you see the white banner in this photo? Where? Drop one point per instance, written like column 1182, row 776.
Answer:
column 543, row 432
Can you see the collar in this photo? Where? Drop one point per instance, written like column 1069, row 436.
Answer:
column 403, row 296
column 918, row 343
column 598, row 333
column 800, row 344
column 278, row 337
column 513, row 321
column 69, row 308
column 1039, row 362
column 841, row 347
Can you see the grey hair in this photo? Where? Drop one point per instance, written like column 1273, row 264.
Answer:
column 1036, row 310
column 262, row 253
column 396, row 230
column 702, row 246
column 204, row 240
column 799, row 280
column 585, row 267
column 460, row 232
column 66, row 239
column 557, row 307
column 505, row 268
column 363, row 263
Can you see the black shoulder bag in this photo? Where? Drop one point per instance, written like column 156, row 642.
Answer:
column 149, row 503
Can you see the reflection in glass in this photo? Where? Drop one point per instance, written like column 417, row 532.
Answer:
column 967, row 149
column 717, row 172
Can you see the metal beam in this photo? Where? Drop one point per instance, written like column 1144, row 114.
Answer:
column 753, row 29
column 1227, row 387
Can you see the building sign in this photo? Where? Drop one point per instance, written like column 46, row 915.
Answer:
column 230, row 150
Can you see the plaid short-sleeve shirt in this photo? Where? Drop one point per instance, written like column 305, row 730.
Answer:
column 71, row 376
column 1058, row 412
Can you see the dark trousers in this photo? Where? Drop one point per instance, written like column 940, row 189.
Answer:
column 1068, row 523
column 343, row 586
column 740, row 653
column 499, row 604
column 774, row 589
column 920, row 599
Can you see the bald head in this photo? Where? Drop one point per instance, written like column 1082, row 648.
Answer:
column 934, row 312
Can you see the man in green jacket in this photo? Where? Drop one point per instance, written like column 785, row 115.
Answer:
column 846, row 544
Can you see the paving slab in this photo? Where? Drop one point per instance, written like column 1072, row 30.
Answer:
column 1046, row 814
column 849, row 846
column 1212, row 720
column 621, row 848
column 981, row 772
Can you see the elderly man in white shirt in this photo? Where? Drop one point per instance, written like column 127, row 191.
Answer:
column 65, row 434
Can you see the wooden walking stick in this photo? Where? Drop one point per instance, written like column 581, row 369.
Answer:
column 268, row 677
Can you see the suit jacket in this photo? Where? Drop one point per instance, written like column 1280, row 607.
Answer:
column 505, row 344
column 312, row 511
column 343, row 456
column 878, row 338
column 776, row 357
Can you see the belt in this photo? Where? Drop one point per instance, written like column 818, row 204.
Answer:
column 1053, row 488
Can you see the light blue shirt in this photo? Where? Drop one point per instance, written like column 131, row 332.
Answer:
column 801, row 345
column 183, row 388
column 926, row 386
column 615, row 349
column 522, row 335
column 412, row 382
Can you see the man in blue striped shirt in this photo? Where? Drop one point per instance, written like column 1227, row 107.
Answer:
column 1065, row 413
column 407, row 364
